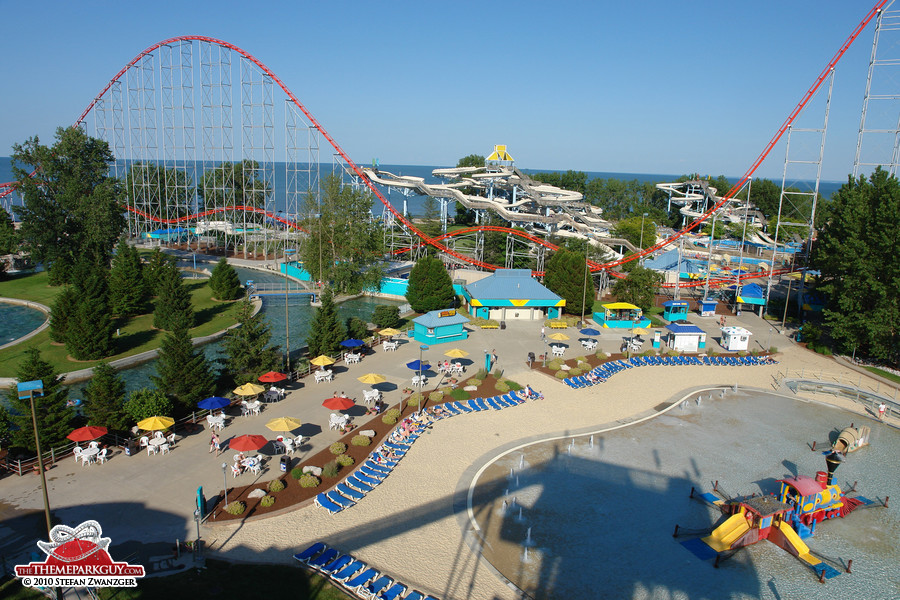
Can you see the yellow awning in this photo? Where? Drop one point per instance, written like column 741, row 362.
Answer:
column 620, row 306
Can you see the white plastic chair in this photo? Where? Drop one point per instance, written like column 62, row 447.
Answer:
column 101, row 457
column 288, row 445
column 171, row 439
column 235, row 470
column 254, row 466
column 77, row 452
column 165, row 448
column 151, row 450
column 144, row 441
column 94, row 444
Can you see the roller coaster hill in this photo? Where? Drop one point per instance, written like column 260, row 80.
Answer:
column 194, row 104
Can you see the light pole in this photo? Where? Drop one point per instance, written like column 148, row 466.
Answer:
column 287, row 328
column 31, row 388
column 768, row 340
column 225, row 479
column 641, row 244
column 584, row 293
column 422, row 349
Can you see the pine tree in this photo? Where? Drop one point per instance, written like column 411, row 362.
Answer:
column 325, row 332
column 224, row 282
column 247, row 350
column 386, row 315
column 566, row 276
column 356, row 328
column 53, row 416
column 62, row 310
column 89, row 329
column 104, row 397
column 183, row 373
column 173, row 301
column 154, row 271
column 127, row 291
column 430, row 286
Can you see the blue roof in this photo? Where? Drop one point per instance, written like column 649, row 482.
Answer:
column 679, row 328
column 751, row 290
column 510, row 284
column 675, row 303
column 433, row 319
column 668, row 261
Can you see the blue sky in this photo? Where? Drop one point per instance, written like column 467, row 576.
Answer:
column 655, row 87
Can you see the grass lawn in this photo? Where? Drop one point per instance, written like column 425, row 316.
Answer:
column 135, row 336
column 219, row 580
column 883, row 373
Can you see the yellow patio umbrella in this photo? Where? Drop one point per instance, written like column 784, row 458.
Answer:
column 372, row 378
column 156, row 423
column 284, row 424
column 456, row 353
column 249, row 389
column 559, row 337
column 639, row 331
column 390, row 331
column 322, row 360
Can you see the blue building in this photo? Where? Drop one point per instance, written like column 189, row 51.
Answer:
column 512, row 294
column 439, row 327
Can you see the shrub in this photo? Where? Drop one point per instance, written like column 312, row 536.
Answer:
column 562, row 374
column 445, row 390
column 276, row 485
column 361, row 440
column 345, row 460
column 601, row 355
column 414, row 399
column 773, row 350
column 337, row 448
column 267, row 501
column 389, row 420
column 331, row 469
column 501, row 386
column 475, row 381
column 742, row 353
column 297, row 473
column 236, row 508
column 553, row 366
column 498, row 373
column 575, row 372
column 460, row 394
column 309, row 481
column 711, row 352
column 436, row 396
column 513, row 385
column 481, row 374
column 581, row 359
column 393, row 412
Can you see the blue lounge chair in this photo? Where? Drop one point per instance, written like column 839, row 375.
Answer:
column 364, row 577
column 348, row 571
column 366, row 479
column 337, row 564
column 474, row 406
column 377, row 467
column 392, row 592
column 307, row 554
column 370, row 473
column 373, row 587
column 323, row 501
column 461, row 406
column 396, row 446
column 356, row 484
column 341, row 501
column 349, row 492
column 493, row 404
column 451, row 408
column 323, row 559
column 482, row 403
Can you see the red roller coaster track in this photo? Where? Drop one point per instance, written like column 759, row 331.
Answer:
column 436, row 241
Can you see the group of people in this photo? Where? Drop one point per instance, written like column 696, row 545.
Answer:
column 531, row 394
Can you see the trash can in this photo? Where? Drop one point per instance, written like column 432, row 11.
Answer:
column 530, row 358
column 502, row 324
column 285, row 463
column 130, row 448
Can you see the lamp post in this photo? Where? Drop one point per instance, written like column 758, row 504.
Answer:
column 225, row 480
column 31, row 388
column 768, row 340
column 287, row 328
column 641, row 244
column 422, row 349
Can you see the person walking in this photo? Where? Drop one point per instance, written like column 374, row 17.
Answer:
column 882, row 408
column 543, row 334
column 214, row 444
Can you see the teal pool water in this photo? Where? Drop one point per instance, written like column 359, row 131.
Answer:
column 16, row 321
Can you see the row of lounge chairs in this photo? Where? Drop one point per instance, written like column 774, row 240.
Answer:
column 376, row 468
column 354, row 576
column 606, row 370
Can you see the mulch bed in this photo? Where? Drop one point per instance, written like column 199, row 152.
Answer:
column 293, row 495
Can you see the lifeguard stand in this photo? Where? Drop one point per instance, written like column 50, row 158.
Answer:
column 708, row 307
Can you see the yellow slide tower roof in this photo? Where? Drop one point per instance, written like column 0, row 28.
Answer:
column 500, row 154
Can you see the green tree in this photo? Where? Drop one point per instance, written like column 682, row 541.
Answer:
column 639, row 287
column 472, row 160
column 575, row 181
column 104, row 398
column 630, row 229
column 156, row 269
column 9, row 238
column 356, row 328
column 89, row 329
column 430, row 286
column 234, row 183
column 72, row 208
column 431, row 220
column 247, row 351
column 344, row 244
column 224, row 282
column 325, row 332
column 386, row 315
column 147, row 402
column 64, row 307
column 183, row 373
column 856, row 252
column 53, row 416
column 173, row 301
column 127, row 291
column 567, row 276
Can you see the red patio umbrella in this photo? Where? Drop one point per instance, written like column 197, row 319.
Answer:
column 247, row 443
column 86, row 434
column 272, row 377
column 339, row 403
